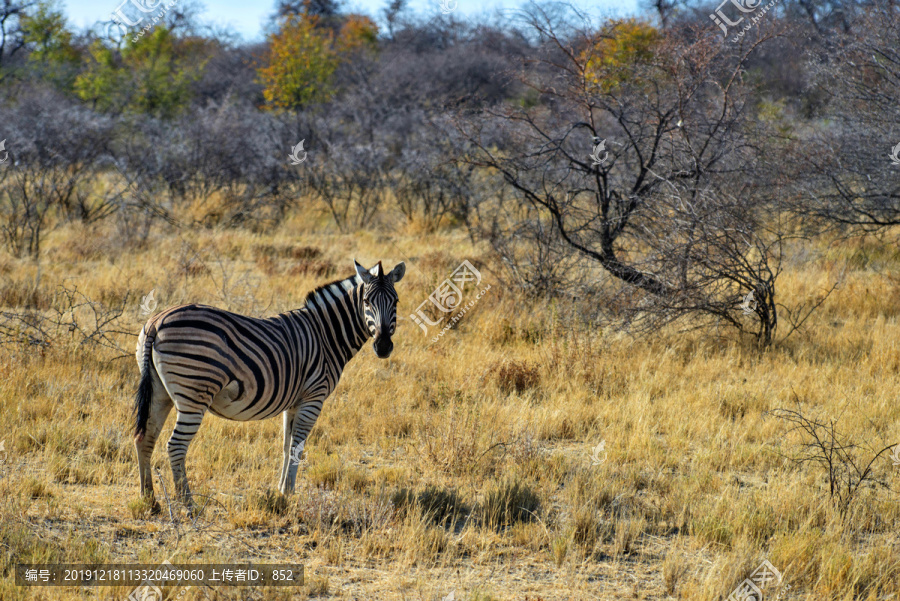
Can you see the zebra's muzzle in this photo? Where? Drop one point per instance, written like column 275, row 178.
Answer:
column 383, row 346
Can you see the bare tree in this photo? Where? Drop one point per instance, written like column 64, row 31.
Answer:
column 645, row 167
column 349, row 162
column 664, row 10
column 391, row 14
column 546, row 265
column 820, row 18
column 25, row 204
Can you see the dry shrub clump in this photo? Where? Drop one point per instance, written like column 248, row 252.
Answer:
column 509, row 502
column 442, row 506
column 514, row 376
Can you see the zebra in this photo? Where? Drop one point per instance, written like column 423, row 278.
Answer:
column 200, row 359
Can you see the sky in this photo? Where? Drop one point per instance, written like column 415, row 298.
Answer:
column 247, row 17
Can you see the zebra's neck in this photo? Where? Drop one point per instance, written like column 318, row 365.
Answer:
column 338, row 309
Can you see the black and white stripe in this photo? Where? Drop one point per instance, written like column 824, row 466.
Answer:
column 201, row 359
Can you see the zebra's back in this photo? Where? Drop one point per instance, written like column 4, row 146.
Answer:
column 239, row 367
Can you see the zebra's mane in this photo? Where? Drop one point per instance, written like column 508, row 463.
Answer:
column 311, row 296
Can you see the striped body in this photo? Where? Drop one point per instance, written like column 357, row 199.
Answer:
column 251, row 368
column 201, row 359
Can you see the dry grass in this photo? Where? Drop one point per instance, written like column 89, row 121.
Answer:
column 464, row 465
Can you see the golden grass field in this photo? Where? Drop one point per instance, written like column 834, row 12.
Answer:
column 402, row 495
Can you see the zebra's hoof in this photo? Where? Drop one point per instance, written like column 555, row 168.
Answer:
column 144, row 507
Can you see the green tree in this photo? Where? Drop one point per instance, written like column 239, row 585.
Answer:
column 52, row 55
column 152, row 74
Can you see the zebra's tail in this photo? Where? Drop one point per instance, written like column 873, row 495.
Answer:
column 144, row 394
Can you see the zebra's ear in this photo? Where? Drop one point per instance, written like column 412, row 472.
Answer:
column 362, row 272
column 398, row 272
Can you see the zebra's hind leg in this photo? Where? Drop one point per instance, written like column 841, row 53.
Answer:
column 160, row 405
column 187, row 423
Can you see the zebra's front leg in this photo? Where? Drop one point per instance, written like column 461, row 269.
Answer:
column 303, row 421
column 186, row 425
column 288, row 429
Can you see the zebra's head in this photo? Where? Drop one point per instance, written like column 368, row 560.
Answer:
column 380, row 304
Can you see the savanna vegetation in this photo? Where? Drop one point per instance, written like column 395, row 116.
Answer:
column 686, row 362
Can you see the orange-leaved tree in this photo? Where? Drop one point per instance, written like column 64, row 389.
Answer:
column 303, row 56
column 616, row 50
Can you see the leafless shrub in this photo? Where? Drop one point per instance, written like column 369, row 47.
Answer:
column 349, row 177
column 430, row 184
column 72, row 319
column 543, row 267
column 228, row 164
column 236, row 287
column 525, row 448
column 319, row 509
column 722, row 257
column 461, row 443
column 327, row 510
column 23, row 212
column 849, row 466
column 368, row 513
column 841, row 174
column 55, row 151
